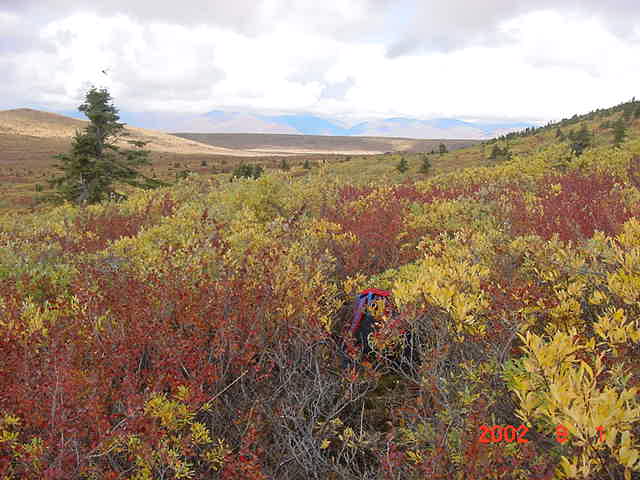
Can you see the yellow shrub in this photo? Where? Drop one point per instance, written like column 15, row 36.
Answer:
column 557, row 386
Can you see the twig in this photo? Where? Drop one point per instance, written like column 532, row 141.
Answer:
column 361, row 418
column 223, row 390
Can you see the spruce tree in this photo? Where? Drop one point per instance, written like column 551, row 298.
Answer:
column 442, row 148
column 426, row 165
column 246, row 171
column 94, row 167
column 306, row 165
column 581, row 140
column 284, row 165
column 619, row 132
column 506, row 153
column 496, row 152
column 403, row 166
column 627, row 113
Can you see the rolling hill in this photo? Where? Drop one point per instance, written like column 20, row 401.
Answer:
column 26, row 122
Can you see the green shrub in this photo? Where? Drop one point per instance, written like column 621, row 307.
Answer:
column 247, row 171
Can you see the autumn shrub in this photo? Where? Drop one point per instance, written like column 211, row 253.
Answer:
column 145, row 354
column 92, row 231
column 377, row 219
column 573, row 206
column 195, row 332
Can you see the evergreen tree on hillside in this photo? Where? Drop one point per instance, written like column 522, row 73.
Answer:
column 580, row 140
column 619, row 132
column 426, row 165
column 628, row 110
column 500, row 153
column 95, row 164
column 442, row 148
column 306, row 165
column 496, row 152
column 403, row 166
column 284, row 165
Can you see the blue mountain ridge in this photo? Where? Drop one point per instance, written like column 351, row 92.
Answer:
column 314, row 125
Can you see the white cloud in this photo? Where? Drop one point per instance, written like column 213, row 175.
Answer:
column 363, row 58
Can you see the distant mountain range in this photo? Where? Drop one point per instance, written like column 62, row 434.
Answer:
column 237, row 122
column 218, row 121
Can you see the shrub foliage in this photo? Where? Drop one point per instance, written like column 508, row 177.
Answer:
column 193, row 332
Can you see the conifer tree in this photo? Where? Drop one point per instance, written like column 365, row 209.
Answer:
column 619, row 132
column 506, row 153
column 306, row 164
column 627, row 112
column 403, row 166
column 426, row 165
column 442, row 148
column 496, row 152
column 284, row 165
column 95, row 165
column 246, row 171
column 581, row 140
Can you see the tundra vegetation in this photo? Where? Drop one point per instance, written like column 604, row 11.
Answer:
column 191, row 331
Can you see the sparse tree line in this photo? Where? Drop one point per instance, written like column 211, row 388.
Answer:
column 425, row 165
column 630, row 110
column 578, row 139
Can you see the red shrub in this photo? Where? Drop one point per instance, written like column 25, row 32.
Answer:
column 377, row 227
column 111, row 225
column 586, row 203
column 81, row 385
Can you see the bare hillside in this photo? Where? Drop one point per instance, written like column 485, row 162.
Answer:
column 27, row 122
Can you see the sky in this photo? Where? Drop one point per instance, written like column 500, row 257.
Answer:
column 476, row 60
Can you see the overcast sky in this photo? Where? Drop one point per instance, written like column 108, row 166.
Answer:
column 530, row 60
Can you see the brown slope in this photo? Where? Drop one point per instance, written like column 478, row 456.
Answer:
column 26, row 122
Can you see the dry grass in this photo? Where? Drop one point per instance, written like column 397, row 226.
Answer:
column 34, row 123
